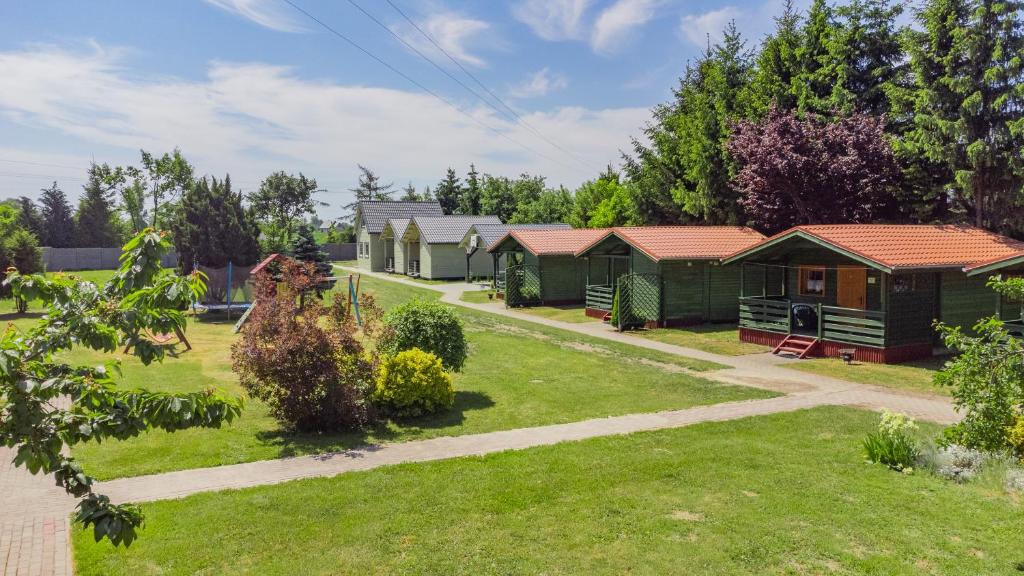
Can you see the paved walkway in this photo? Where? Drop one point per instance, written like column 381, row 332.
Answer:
column 33, row 512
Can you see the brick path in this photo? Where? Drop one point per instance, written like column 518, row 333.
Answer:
column 33, row 512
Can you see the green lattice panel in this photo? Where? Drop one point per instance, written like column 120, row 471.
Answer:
column 522, row 285
column 639, row 299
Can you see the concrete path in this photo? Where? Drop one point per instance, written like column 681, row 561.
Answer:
column 33, row 512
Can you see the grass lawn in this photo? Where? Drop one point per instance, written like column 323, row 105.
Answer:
column 908, row 376
column 715, row 338
column 518, row 375
column 781, row 494
column 572, row 314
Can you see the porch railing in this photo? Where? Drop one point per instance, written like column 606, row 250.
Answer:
column 414, row 267
column 499, row 282
column 599, row 296
column 765, row 314
column 389, row 264
column 848, row 325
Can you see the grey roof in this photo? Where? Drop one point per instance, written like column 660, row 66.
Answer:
column 448, row 229
column 375, row 213
column 398, row 226
column 491, row 233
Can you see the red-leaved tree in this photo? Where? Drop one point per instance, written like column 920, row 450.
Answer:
column 796, row 171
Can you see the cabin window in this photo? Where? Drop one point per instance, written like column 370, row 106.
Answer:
column 904, row 284
column 812, row 281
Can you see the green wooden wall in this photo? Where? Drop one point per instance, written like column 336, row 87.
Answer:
column 683, row 291
column 563, row 278
column 965, row 300
column 911, row 312
column 724, row 292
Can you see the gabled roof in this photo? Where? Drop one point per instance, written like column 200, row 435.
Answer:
column 375, row 213
column 447, row 229
column 682, row 242
column 891, row 247
column 398, row 226
column 491, row 233
column 551, row 242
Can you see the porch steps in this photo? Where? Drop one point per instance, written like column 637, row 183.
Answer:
column 796, row 345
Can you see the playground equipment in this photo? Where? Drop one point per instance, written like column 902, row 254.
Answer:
column 353, row 297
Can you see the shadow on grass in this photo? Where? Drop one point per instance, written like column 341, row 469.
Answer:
column 301, row 443
column 12, row 316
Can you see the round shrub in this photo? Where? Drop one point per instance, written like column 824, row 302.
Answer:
column 413, row 383
column 429, row 326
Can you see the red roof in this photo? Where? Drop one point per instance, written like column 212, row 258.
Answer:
column 685, row 242
column 553, row 242
column 910, row 245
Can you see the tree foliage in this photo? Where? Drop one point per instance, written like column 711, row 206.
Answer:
column 448, row 193
column 212, row 228
column 96, row 222
column 141, row 298
column 58, row 218
column 281, row 201
column 809, row 171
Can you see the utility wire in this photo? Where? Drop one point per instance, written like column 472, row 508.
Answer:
column 414, row 82
column 473, row 77
column 40, row 164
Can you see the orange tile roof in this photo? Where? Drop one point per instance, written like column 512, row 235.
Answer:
column 553, row 242
column 912, row 245
column 685, row 242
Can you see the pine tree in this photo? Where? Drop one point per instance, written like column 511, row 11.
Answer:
column 778, row 65
column 469, row 200
column 305, row 249
column 816, row 78
column 212, row 228
column 58, row 220
column 968, row 104
column 96, row 224
column 867, row 58
column 449, row 192
column 409, row 193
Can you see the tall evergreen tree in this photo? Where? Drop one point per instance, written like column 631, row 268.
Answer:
column 778, row 65
column 449, row 192
column 58, row 219
column 212, row 228
column 817, row 76
column 469, row 200
column 96, row 223
column 369, row 187
column 409, row 194
column 968, row 104
column 868, row 59
column 306, row 249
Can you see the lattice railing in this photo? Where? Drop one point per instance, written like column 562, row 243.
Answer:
column 639, row 299
column 522, row 285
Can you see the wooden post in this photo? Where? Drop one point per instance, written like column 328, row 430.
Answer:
column 820, row 321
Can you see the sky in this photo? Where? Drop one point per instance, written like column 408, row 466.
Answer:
column 405, row 87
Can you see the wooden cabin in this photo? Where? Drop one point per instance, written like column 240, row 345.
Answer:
column 542, row 267
column 429, row 246
column 373, row 252
column 480, row 237
column 873, row 290
column 666, row 275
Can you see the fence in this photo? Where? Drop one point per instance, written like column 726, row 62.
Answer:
column 57, row 259
column 340, row 251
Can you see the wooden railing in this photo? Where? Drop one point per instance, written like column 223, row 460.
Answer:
column 600, row 296
column 389, row 264
column 765, row 314
column 1015, row 326
column 499, row 282
column 414, row 267
column 849, row 325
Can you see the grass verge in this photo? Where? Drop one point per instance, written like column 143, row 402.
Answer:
column 715, row 338
column 916, row 376
column 781, row 494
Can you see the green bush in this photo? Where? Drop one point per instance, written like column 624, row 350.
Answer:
column 615, row 309
column 429, row 326
column 893, row 444
column 413, row 383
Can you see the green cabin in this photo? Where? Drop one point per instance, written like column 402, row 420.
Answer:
column 872, row 291
column 541, row 265
column 665, row 275
column 429, row 247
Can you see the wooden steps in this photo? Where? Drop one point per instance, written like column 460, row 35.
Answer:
column 796, row 345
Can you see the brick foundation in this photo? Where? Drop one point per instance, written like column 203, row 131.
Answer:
column 830, row 349
column 594, row 313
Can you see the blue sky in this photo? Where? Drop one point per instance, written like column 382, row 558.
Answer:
column 252, row 86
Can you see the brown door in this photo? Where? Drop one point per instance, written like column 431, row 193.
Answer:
column 852, row 287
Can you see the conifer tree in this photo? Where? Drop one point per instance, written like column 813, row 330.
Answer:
column 29, row 216
column 96, row 223
column 778, row 65
column 449, row 192
column 469, row 200
column 58, row 221
column 212, row 228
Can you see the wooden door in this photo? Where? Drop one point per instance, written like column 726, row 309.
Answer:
column 852, row 287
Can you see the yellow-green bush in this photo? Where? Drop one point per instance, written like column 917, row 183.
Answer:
column 1015, row 436
column 412, row 383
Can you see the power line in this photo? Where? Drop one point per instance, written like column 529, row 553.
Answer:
column 414, row 82
column 45, row 176
column 39, row 164
column 472, row 76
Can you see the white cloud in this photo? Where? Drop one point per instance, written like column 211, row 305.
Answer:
column 268, row 13
column 451, row 31
column 553, row 19
column 540, row 83
column 614, row 25
column 251, row 119
column 697, row 28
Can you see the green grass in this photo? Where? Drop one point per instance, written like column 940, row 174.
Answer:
column 915, row 376
column 781, row 494
column 715, row 338
column 518, row 375
column 571, row 314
